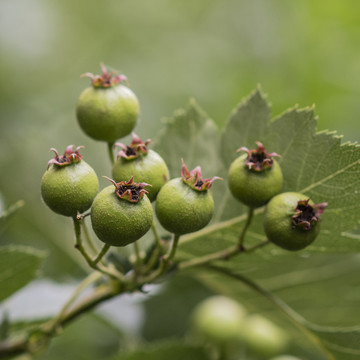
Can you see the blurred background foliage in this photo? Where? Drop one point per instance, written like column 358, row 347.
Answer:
column 301, row 52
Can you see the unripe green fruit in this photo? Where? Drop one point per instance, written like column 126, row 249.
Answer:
column 263, row 337
column 254, row 188
column 278, row 224
column 181, row 209
column 149, row 168
column 119, row 222
column 219, row 320
column 285, row 357
column 69, row 189
column 108, row 113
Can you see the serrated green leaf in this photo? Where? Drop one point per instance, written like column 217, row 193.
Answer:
column 190, row 135
column 316, row 164
column 165, row 350
column 18, row 266
column 336, row 342
column 247, row 124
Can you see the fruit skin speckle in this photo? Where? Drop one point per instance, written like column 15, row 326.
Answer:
column 119, row 222
column 181, row 209
column 279, row 226
column 69, row 189
column 254, row 188
column 107, row 114
column 149, row 168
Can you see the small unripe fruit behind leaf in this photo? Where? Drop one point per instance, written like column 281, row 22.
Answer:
column 263, row 337
column 219, row 319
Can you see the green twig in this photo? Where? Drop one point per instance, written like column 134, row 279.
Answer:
column 246, row 226
column 138, row 260
column 174, row 244
column 225, row 254
column 165, row 261
column 88, row 238
column 100, row 255
column 111, row 152
column 92, row 278
column 105, row 270
column 12, row 348
column 157, row 251
column 98, row 296
column 220, row 255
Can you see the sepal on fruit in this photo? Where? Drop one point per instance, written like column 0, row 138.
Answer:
column 258, row 159
column 194, row 178
column 106, row 79
column 134, row 150
column 70, row 156
column 129, row 190
column 306, row 214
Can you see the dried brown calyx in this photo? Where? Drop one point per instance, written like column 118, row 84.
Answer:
column 106, row 79
column 194, row 178
column 307, row 215
column 134, row 150
column 129, row 190
column 258, row 159
column 70, row 156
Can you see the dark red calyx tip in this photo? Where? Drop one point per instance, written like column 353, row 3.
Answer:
column 307, row 215
column 134, row 150
column 106, row 79
column 129, row 190
column 70, row 156
column 258, row 159
column 194, row 178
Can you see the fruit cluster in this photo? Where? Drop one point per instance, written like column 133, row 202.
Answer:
column 122, row 212
column 291, row 220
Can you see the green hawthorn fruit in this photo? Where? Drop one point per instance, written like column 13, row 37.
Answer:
column 144, row 164
column 263, row 337
column 219, row 319
column 185, row 204
column 107, row 110
column 254, row 178
column 121, row 215
column 292, row 220
column 69, row 185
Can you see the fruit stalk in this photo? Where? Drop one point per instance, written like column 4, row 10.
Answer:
column 110, row 146
column 79, row 245
column 246, row 226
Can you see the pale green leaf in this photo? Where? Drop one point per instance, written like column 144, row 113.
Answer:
column 316, row 164
column 247, row 124
column 18, row 266
column 192, row 136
